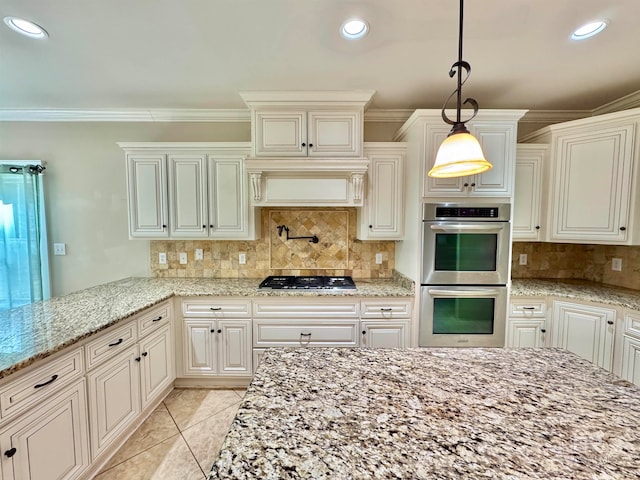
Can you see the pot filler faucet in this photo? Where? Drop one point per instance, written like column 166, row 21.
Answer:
column 312, row 239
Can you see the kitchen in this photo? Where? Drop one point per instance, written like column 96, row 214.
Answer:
column 90, row 216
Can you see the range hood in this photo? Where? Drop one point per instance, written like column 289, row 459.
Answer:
column 313, row 182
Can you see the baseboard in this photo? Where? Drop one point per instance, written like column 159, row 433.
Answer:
column 214, row 382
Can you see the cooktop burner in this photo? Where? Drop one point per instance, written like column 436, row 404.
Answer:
column 316, row 283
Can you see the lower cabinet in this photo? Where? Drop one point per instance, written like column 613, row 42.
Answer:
column 156, row 364
column 631, row 359
column 51, row 441
column 384, row 334
column 526, row 333
column 217, row 347
column 585, row 330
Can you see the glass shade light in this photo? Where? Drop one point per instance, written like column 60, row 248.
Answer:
column 459, row 155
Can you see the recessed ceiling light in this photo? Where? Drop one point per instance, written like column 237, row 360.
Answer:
column 25, row 27
column 589, row 30
column 354, row 28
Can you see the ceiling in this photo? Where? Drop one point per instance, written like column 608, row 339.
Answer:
column 201, row 53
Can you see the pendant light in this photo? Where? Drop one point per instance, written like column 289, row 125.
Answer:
column 460, row 154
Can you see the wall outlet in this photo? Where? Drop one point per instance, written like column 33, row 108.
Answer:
column 523, row 259
column 59, row 249
column 616, row 264
column 378, row 259
column 199, row 254
column 183, row 258
column 242, row 258
column 162, row 258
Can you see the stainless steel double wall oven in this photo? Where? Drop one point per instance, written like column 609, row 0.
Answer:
column 465, row 270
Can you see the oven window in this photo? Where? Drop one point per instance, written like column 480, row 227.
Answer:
column 466, row 252
column 467, row 316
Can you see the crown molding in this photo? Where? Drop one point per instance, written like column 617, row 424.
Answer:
column 554, row 116
column 624, row 103
column 123, row 115
column 391, row 115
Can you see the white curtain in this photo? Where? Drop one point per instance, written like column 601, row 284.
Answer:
column 24, row 262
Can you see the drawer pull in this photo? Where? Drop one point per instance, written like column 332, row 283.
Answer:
column 138, row 359
column 48, row 382
column 115, row 344
column 528, row 308
column 215, row 309
column 10, row 453
column 386, row 309
column 157, row 319
column 305, row 335
column 144, row 354
column 610, row 322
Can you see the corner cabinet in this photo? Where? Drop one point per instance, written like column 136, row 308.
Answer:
column 527, row 196
column 382, row 216
column 203, row 195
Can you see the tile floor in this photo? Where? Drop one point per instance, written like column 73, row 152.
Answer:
column 179, row 440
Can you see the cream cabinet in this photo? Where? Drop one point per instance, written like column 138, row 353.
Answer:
column 51, row 441
column 381, row 334
column 147, row 193
column 382, row 216
column 586, row 330
column 156, row 364
column 202, row 187
column 527, row 323
column 593, row 176
column 631, row 347
column 528, row 193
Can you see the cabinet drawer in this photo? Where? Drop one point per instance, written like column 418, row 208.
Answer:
column 154, row 318
column 632, row 324
column 527, row 308
column 41, row 383
column 110, row 343
column 386, row 309
column 215, row 307
column 304, row 308
column 285, row 333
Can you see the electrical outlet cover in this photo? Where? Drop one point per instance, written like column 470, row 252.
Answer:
column 242, row 258
column 616, row 264
column 183, row 258
column 378, row 258
column 199, row 254
column 162, row 258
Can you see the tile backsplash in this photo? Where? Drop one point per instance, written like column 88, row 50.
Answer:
column 337, row 252
column 587, row 262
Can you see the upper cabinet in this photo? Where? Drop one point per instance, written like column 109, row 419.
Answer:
column 204, row 194
column 496, row 130
column 527, row 195
column 307, row 124
column 593, row 177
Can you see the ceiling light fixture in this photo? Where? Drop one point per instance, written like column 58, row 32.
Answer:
column 460, row 154
column 589, row 30
column 354, row 28
column 25, row 27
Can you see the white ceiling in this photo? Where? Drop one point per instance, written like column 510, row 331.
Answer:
column 201, row 53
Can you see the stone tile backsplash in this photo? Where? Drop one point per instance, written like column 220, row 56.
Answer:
column 338, row 252
column 587, row 262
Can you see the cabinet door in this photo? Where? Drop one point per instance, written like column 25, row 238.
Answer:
column 527, row 193
column 187, row 196
column 51, row 441
column 156, row 364
column 234, row 348
column 631, row 359
column 586, row 331
column 147, row 188
column 199, row 347
column 114, row 398
column 439, row 187
column 385, row 335
column 280, row 133
column 526, row 333
column 227, row 197
column 592, row 183
column 334, row 134
column 498, row 143
column 383, row 214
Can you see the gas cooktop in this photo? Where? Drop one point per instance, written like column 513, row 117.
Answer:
column 315, row 283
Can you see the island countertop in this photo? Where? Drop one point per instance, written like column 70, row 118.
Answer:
column 432, row 413
column 35, row 331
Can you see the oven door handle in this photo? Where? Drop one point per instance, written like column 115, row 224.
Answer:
column 453, row 228
column 485, row 292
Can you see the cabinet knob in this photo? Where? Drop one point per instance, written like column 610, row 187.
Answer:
column 364, row 332
column 204, row 226
column 213, row 330
column 370, row 226
column 144, row 354
column 164, row 226
column 310, row 145
column 304, row 144
column 10, row 453
column 610, row 322
column 466, row 185
column 473, row 184
column 537, row 227
column 622, row 229
column 543, row 330
column 211, row 226
column 219, row 331
column 138, row 359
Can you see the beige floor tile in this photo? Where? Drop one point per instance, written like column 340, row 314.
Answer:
column 155, row 429
column 191, row 406
column 241, row 392
column 169, row 460
column 205, row 438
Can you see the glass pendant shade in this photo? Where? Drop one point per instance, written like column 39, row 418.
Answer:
column 459, row 155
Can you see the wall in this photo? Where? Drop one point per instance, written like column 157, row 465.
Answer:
column 85, row 188
column 588, row 262
column 338, row 251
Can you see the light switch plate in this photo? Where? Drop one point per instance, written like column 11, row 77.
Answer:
column 523, row 259
column 199, row 254
column 59, row 249
column 183, row 258
column 616, row 264
column 162, row 258
column 242, row 258
column 378, row 259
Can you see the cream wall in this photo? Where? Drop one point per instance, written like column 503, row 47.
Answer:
column 85, row 188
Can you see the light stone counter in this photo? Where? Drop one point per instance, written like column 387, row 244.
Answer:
column 577, row 290
column 432, row 414
column 35, row 331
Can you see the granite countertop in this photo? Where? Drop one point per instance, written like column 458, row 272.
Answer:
column 35, row 331
column 432, row 413
column 577, row 290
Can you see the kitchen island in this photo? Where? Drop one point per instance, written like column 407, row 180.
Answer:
column 432, row 413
